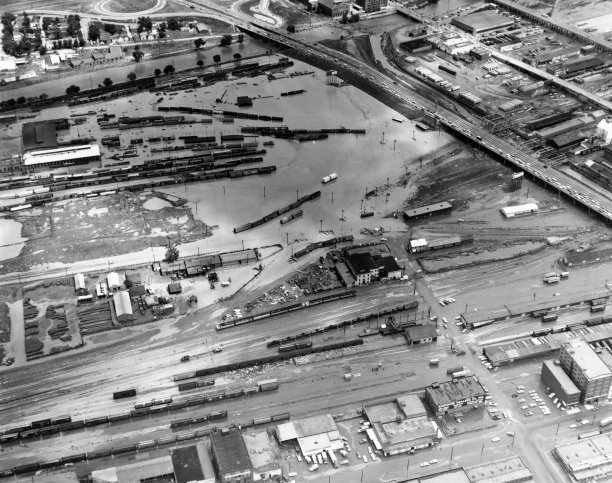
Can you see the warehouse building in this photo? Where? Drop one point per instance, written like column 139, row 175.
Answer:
column 441, row 208
column 519, row 210
column 38, row 135
column 231, row 457
column 79, row 284
column 192, row 464
column 421, row 334
column 550, row 120
column 457, row 395
column 123, row 306
column 511, row 105
column 587, row 459
column 313, row 435
column 558, row 381
column 264, row 456
column 64, row 156
column 573, row 124
column 566, row 140
column 333, row 8
column 584, row 366
column 388, row 268
column 400, row 426
column 423, row 245
column 480, row 22
column 519, row 350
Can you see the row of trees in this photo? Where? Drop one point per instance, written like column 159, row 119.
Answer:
column 26, row 44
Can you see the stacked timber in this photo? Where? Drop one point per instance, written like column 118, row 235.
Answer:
column 94, row 318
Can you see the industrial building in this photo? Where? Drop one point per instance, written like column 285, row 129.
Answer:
column 370, row 6
column 586, row 459
column 456, row 46
column 550, row 120
column 230, row 457
column 112, row 280
column 604, row 131
column 591, row 256
column 519, row 210
column 509, row 352
column 264, row 456
column 441, row 208
column 313, row 435
column 511, row 105
column 480, row 22
column 333, row 8
column 79, row 284
column 457, row 395
column 123, row 306
column 388, row 268
column 192, row 463
column 571, row 125
column 38, row 135
column 566, row 140
column 556, row 56
column 421, row 334
column 400, row 426
column 586, row 369
column 554, row 377
column 64, row 156
column 362, row 267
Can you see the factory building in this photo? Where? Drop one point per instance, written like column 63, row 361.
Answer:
column 566, row 140
column 558, row 381
column 457, row 395
column 113, row 282
column 523, row 349
column 586, row 459
column 388, row 268
column 546, row 57
column 423, row 211
column 123, row 306
column 314, row 435
column 333, row 8
column 456, row 46
column 604, row 131
column 480, row 22
column 230, row 457
column 370, row 6
column 423, row 245
column 578, row 123
column 64, row 156
column 518, row 210
column 79, row 284
column 586, row 369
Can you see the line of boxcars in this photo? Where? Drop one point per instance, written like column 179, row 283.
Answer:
column 362, row 318
column 588, row 322
column 266, row 360
column 322, row 244
column 287, row 308
column 263, row 386
column 153, row 443
column 278, row 212
column 210, row 112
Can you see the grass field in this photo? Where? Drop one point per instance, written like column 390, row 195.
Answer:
column 129, row 6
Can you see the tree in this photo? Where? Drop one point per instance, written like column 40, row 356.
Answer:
column 55, row 47
column 21, row 100
column 72, row 90
column 200, row 63
column 169, row 69
column 240, row 38
column 138, row 55
column 144, row 23
column 75, row 44
column 11, row 103
column 172, row 254
column 173, row 24
column 199, row 43
column 344, row 18
column 74, row 25
column 42, row 50
column 67, row 43
column 157, row 72
column 93, row 32
column 131, row 76
column 81, row 42
column 217, row 58
column 226, row 40
column 237, row 56
column 136, row 47
column 107, row 82
column 291, row 29
column 43, row 96
column 111, row 28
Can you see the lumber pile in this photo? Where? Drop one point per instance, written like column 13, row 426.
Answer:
column 94, row 318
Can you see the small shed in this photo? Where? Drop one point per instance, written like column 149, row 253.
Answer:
column 244, row 101
column 174, row 288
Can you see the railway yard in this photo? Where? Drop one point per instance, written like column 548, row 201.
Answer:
column 367, row 249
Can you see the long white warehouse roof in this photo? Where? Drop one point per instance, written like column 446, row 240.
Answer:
column 519, row 209
column 67, row 153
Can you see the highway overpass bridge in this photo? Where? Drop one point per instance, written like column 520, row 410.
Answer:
column 551, row 23
column 595, row 201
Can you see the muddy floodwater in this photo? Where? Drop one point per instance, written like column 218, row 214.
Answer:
column 11, row 241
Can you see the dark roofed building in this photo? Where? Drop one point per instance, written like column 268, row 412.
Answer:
column 363, row 267
column 456, row 395
column 433, row 209
column 137, row 291
column 388, row 268
column 566, row 140
column 421, row 334
column 188, row 465
column 174, row 288
column 244, row 101
column 333, row 8
column 134, row 277
column 39, row 135
column 231, row 457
